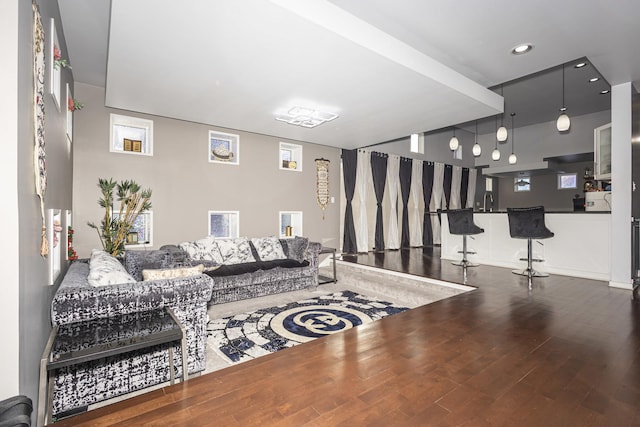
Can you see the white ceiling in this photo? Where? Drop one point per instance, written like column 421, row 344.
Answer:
column 388, row 69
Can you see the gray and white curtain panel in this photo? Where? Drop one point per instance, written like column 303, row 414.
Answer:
column 392, row 202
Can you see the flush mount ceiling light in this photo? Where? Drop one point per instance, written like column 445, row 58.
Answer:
column 453, row 142
column 305, row 117
column 580, row 65
column 501, row 133
column 604, row 92
column 512, row 158
column 594, row 79
column 563, row 123
column 477, row 150
column 522, row 49
column 495, row 154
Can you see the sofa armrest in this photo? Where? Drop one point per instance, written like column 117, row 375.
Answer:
column 136, row 261
column 76, row 300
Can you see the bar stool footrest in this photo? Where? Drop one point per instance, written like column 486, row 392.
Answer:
column 529, row 273
column 465, row 263
column 532, row 259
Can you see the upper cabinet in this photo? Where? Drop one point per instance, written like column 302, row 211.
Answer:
column 602, row 152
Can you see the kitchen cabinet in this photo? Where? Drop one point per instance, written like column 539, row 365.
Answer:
column 602, row 152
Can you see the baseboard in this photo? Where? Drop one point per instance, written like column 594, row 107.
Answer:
column 621, row 285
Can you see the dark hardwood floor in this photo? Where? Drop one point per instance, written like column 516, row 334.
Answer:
column 565, row 353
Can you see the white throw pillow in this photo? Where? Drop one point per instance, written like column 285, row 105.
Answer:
column 106, row 270
column 268, row 248
column 235, row 251
column 202, row 250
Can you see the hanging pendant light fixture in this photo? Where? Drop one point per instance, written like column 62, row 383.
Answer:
column 512, row 158
column 477, row 150
column 501, row 133
column 453, row 142
column 495, row 154
column 564, row 123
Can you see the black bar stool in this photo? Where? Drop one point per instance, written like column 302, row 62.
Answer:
column 461, row 223
column 528, row 223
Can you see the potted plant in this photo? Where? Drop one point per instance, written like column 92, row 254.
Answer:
column 113, row 230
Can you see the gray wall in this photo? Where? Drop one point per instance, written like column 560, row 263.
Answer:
column 33, row 323
column 186, row 186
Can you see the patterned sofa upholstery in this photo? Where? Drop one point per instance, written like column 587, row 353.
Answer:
column 76, row 300
column 243, row 281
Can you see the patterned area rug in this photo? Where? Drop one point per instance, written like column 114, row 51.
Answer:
column 249, row 335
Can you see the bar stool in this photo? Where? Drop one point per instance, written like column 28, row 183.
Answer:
column 528, row 223
column 461, row 223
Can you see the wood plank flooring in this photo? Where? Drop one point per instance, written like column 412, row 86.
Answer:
column 565, row 353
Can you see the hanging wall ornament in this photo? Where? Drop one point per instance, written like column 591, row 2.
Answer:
column 38, row 115
column 322, row 183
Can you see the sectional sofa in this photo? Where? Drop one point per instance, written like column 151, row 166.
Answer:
column 187, row 278
column 248, row 268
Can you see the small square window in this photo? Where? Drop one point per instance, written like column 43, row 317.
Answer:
column 457, row 153
column 141, row 231
column 224, row 148
column 131, row 135
column 290, row 157
column 567, row 180
column 417, row 144
column 224, row 224
column 290, row 224
column 522, row 183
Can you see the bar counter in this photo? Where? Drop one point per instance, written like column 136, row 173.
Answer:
column 581, row 246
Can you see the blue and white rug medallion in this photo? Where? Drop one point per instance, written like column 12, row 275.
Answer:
column 249, row 335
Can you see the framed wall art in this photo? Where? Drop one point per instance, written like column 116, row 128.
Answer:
column 224, row 148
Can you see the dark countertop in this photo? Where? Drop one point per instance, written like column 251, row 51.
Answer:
column 551, row 212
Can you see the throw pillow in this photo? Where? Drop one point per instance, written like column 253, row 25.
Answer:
column 268, row 248
column 235, row 251
column 106, row 270
column 172, row 273
column 202, row 250
column 298, row 248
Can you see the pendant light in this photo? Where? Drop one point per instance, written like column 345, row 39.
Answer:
column 501, row 133
column 453, row 142
column 564, row 123
column 512, row 158
column 495, row 154
column 477, row 150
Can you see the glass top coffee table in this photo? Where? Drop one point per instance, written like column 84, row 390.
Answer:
column 324, row 279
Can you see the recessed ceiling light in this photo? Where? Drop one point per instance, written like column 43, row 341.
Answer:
column 594, row 79
column 522, row 48
column 604, row 92
column 580, row 65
